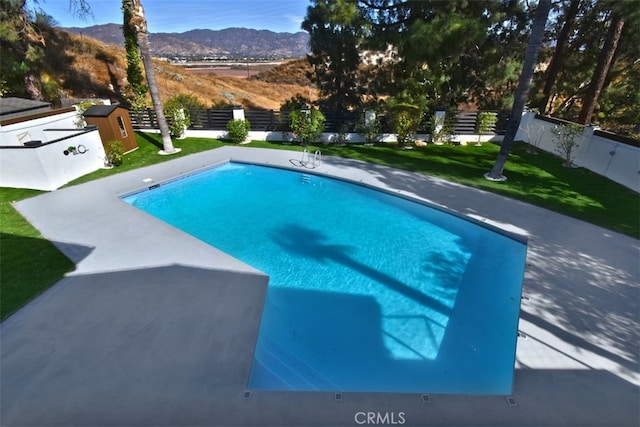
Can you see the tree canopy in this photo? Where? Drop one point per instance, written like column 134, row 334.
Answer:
column 447, row 54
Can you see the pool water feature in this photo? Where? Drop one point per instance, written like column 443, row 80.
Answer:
column 367, row 291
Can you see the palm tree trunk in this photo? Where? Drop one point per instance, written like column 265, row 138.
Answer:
column 139, row 23
column 605, row 60
column 522, row 91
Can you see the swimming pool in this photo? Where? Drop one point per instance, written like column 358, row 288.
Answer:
column 367, row 291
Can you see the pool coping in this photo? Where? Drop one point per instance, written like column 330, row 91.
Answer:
column 564, row 373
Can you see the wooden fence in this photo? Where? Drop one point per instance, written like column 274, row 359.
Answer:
column 463, row 122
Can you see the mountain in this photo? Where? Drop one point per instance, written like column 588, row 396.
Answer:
column 231, row 42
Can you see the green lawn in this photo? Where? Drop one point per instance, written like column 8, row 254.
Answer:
column 30, row 264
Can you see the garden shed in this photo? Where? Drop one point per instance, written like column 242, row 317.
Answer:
column 113, row 123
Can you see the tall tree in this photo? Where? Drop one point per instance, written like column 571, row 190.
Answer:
column 558, row 54
column 136, row 88
column 605, row 61
column 619, row 103
column 335, row 28
column 139, row 23
column 497, row 61
column 437, row 44
column 522, row 91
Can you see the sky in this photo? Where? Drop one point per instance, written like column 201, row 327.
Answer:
column 176, row 16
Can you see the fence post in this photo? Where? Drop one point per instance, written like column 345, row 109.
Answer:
column 238, row 112
column 369, row 118
column 438, row 126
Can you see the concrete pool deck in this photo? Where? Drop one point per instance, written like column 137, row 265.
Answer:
column 154, row 327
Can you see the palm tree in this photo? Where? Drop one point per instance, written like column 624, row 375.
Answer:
column 139, row 23
column 522, row 91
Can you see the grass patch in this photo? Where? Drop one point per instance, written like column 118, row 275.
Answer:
column 147, row 154
column 29, row 264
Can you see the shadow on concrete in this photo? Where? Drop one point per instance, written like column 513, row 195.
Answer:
column 174, row 346
column 115, row 348
column 595, row 306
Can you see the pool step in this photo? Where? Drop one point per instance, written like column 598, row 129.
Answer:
column 306, row 179
column 279, row 366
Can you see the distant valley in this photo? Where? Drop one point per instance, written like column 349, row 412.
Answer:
column 230, row 43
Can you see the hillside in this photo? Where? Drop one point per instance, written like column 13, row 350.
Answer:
column 87, row 68
column 232, row 42
column 293, row 72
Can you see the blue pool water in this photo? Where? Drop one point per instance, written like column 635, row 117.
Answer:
column 367, row 291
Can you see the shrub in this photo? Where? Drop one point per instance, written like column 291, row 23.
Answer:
column 405, row 119
column 114, row 151
column 307, row 126
column 369, row 130
column 221, row 105
column 185, row 100
column 342, row 136
column 441, row 128
column 284, row 127
column 177, row 109
column 486, row 121
column 81, row 107
column 565, row 138
column 178, row 120
column 534, row 137
column 295, row 103
column 238, row 130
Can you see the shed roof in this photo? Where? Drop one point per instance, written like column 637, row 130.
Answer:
column 100, row 110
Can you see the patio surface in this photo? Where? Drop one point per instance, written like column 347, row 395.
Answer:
column 154, row 327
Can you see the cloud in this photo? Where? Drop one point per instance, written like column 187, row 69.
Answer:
column 295, row 20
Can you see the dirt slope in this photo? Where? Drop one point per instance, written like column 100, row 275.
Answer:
column 87, row 68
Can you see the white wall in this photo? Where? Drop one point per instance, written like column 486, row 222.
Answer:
column 617, row 161
column 327, row 137
column 46, row 167
column 11, row 135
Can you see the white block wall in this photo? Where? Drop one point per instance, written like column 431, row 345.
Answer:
column 36, row 130
column 615, row 160
column 46, row 167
